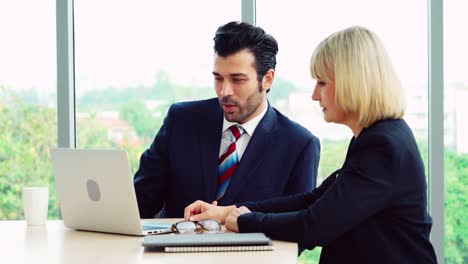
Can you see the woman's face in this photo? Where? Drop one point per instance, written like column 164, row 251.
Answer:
column 324, row 93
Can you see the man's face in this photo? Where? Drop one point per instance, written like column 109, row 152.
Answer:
column 240, row 94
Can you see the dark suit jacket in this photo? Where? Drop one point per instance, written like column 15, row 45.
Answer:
column 373, row 210
column 181, row 166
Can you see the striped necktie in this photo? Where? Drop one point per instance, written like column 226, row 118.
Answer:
column 228, row 162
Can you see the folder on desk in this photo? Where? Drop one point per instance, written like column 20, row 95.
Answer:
column 208, row 242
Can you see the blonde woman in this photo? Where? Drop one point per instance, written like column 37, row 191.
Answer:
column 373, row 209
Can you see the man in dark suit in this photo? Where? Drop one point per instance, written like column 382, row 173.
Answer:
column 232, row 148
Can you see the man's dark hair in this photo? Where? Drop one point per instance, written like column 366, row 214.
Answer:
column 236, row 36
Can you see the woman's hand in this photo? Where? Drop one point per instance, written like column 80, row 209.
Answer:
column 231, row 219
column 200, row 210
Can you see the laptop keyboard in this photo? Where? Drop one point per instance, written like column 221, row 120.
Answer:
column 152, row 226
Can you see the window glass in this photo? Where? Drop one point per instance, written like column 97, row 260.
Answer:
column 456, row 125
column 135, row 58
column 28, row 102
column 404, row 33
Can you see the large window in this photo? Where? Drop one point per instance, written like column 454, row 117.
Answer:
column 133, row 64
column 405, row 39
column 456, row 127
column 28, row 118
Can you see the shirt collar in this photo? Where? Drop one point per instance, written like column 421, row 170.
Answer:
column 250, row 125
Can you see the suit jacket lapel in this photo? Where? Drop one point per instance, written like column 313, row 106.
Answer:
column 209, row 141
column 252, row 157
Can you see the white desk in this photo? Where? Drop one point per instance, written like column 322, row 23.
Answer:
column 54, row 243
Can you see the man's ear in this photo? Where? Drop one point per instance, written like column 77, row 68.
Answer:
column 267, row 80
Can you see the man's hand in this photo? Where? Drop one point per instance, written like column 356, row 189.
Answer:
column 200, row 210
column 231, row 219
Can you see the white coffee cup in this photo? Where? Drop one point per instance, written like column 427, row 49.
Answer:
column 35, row 204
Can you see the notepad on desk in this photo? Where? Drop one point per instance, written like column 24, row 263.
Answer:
column 209, row 242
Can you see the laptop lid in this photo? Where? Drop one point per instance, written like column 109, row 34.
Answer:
column 95, row 190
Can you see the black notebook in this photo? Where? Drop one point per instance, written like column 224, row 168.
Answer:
column 208, row 242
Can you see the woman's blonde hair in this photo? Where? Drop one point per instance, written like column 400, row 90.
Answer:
column 366, row 83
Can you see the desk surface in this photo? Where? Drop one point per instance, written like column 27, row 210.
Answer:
column 54, row 243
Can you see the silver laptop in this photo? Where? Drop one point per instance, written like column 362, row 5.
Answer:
column 95, row 192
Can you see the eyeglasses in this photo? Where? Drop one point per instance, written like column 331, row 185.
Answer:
column 196, row 226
